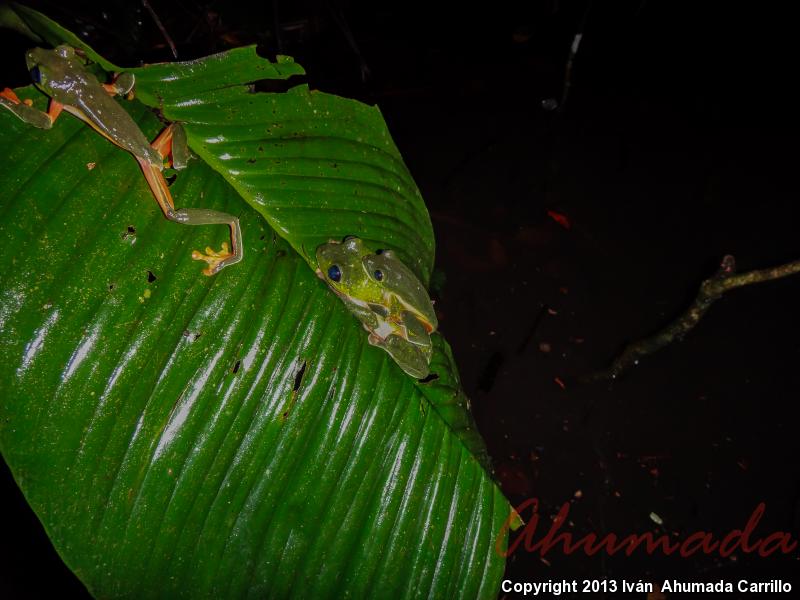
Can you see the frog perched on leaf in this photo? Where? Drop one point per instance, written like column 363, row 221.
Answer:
column 383, row 293
column 386, row 296
column 71, row 86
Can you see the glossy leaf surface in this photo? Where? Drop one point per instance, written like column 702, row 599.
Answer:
column 316, row 166
column 231, row 436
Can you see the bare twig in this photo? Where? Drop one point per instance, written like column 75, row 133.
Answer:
column 532, row 329
column 161, row 28
column 712, row 289
column 573, row 52
column 338, row 16
column 276, row 23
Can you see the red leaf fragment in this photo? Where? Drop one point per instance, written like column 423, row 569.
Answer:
column 559, row 218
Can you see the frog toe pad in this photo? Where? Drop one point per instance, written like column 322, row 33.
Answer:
column 216, row 260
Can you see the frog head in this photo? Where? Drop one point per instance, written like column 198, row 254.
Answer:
column 54, row 71
column 340, row 266
column 385, row 296
column 400, row 284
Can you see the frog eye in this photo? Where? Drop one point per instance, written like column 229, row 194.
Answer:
column 36, row 74
column 378, row 274
column 334, row 273
column 379, row 251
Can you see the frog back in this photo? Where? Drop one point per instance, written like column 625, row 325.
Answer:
column 399, row 281
column 106, row 116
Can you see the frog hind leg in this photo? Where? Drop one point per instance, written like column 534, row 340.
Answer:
column 409, row 357
column 216, row 260
column 171, row 144
column 196, row 216
column 415, row 330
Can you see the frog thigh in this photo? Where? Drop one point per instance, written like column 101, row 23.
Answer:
column 180, row 147
column 171, row 142
column 416, row 331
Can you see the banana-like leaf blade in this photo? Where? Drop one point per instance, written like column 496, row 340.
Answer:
column 183, row 436
column 317, row 167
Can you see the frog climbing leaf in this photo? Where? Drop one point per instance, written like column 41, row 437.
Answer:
column 397, row 311
column 236, row 435
column 273, row 141
column 61, row 74
column 385, row 296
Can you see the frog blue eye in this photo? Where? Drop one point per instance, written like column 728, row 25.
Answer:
column 36, row 75
column 378, row 275
column 334, row 273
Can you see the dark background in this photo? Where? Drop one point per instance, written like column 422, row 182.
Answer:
column 674, row 147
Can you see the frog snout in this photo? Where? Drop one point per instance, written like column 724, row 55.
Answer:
column 30, row 60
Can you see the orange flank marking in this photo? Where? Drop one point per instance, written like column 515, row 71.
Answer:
column 9, row 94
column 163, row 144
column 158, row 186
column 54, row 110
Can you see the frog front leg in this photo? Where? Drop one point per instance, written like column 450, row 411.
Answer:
column 122, row 85
column 164, row 144
column 24, row 110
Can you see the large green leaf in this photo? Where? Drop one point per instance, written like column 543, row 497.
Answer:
column 40, row 29
column 283, row 153
column 316, row 166
column 232, row 436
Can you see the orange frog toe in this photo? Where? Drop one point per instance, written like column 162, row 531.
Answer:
column 212, row 258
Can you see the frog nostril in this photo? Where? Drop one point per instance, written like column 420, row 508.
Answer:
column 36, row 75
column 334, row 273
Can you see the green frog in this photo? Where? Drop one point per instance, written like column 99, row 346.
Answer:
column 385, row 296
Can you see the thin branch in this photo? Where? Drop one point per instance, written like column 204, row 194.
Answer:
column 338, row 16
column 573, row 52
column 276, row 23
column 161, row 28
column 711, row 290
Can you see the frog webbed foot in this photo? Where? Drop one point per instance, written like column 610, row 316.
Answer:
column 216, row 260
column 201, row 216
